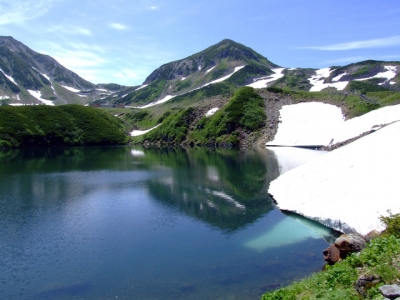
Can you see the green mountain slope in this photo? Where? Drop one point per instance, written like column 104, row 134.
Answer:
column 199, row 70
column 28, row 77
column 66, row 125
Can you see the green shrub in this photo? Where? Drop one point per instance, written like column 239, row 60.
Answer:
column 59, row 126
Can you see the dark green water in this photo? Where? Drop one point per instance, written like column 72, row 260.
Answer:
column 123, row 223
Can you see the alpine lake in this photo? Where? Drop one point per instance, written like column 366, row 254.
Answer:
column 157, row 223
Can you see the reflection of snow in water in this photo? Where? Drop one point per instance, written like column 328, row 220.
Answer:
column 290, row 157
column 137, row 153
column 286, row 232
column 212, row 173
column 226, row 197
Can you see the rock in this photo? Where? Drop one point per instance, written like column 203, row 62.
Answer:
column 351, row 242
column 390, row 291
column 331, row 254
column 372, row 235
column 366, row 282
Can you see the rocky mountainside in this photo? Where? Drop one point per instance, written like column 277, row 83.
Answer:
column 28, row 77
column 224, row 67
column 227, row 61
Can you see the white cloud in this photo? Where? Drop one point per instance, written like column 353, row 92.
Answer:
column 153, row 7
column 20, row 11
column 374, row 43
column 75, row 56
column 118, row 26
column 73, row 30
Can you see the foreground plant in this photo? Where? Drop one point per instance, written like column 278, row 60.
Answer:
column 378, row 264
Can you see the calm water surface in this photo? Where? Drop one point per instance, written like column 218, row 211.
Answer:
column 130, row 223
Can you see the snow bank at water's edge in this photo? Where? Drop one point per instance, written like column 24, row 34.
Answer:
column 347, row 189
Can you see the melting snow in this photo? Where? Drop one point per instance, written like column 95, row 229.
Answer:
column 9, row 77
column 370, row 121
column 223, row 78
column 183, row 78
column 349, row 188
column 141, row 132
column 210, row 69
column 141, row 87
column 165, row 99
column 337, row 78
column 70, row 89
column 389, row 74
column 317, row 81
column 263, row 82
column 319, row 124
column 307, row 124
column 38, row 95
column 211, row 111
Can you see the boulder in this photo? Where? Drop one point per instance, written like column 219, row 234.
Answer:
column 348, row 243
column 331, row 255
column 365, row 282
column 390, row 291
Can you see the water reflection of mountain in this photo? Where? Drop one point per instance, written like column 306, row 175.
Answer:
column 225, row 188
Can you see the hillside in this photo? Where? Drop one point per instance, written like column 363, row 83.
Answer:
column 28, row 77
column 67, row 125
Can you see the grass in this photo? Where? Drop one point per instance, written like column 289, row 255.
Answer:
column 380, row 258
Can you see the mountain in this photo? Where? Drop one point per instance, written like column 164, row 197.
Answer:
column 229, row 62
column 222, row 68
column 28, row 77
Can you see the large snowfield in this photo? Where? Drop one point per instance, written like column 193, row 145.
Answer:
column 347, row 189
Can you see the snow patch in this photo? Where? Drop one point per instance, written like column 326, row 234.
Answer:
column 347, row 189
column 38, row 96
column 141, row 132
column 16, row 104
column 165, row 99
column 389, row 74
column 141, row 87
column 211, row 111
column 263, row 82
column 307, row 124
column 223, row 78
column 370, row 121
column 70, row 88
column 9, row 77
column 337, row 78
column 210, row 69
column 183, row 78
column 317, row 81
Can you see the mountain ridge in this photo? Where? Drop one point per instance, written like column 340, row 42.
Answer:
column 28, row 77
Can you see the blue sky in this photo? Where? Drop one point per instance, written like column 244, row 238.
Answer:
column 124, row 41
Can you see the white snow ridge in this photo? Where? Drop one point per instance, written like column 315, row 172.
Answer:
column 263, row 81
column 317, row 81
